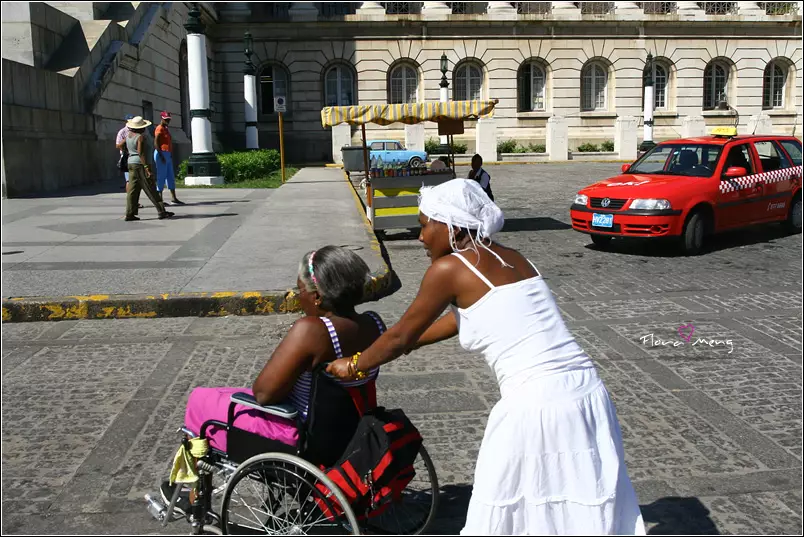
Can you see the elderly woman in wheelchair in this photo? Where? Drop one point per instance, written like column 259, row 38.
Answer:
column 272, row 442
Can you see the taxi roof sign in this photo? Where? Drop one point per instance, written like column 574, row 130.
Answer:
column 726, row 132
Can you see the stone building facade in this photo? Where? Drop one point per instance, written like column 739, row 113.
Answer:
column 72, row 70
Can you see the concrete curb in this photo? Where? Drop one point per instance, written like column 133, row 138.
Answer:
column 208, row 304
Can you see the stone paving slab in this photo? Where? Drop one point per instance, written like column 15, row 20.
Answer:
column 241, row 245
column 712, row 438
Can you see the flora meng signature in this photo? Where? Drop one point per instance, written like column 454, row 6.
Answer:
column 685, row 334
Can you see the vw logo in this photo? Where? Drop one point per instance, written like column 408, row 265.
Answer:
column 605, row 203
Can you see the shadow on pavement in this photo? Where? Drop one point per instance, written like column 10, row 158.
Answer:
column 764, row 234
column 177, row 216
column 539, row 223
column 675, row 515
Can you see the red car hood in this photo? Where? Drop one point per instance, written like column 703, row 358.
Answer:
column 638, row 185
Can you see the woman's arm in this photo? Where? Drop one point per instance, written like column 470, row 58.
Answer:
column 435, row 294
column 291, row 358
column 444, row 328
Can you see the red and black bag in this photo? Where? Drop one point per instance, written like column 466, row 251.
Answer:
column 377, row 464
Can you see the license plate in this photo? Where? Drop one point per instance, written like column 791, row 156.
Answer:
column 602, row 220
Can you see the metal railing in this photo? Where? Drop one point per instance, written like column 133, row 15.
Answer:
column 533, row 8
column 596, row 8
column 336, row 10
column 779, row 8
column 402, row 8
column 719, row 8
column 658, row 8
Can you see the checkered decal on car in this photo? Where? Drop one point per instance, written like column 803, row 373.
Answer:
column 739, row 183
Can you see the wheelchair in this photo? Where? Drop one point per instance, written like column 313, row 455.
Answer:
column 261, row 486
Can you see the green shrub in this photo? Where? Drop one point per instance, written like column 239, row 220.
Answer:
column 520, row 149
column 537, row 148
column 432, row 146
column 608, row 145
column 243, row 165
column 506, row 146
column 588, row 148
column 459, row 148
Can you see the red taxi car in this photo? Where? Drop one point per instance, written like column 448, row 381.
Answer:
column 691, row 188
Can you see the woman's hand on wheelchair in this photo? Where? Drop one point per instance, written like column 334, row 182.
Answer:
column 341, row 369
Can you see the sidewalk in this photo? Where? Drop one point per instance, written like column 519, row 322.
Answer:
column 227, row 251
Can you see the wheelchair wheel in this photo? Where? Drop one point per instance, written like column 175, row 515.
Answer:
column 276, row 493
column 414, row 513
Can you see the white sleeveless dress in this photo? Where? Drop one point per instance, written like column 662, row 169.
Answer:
column 552, row 459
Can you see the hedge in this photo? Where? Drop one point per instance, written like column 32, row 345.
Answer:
column 243, row 165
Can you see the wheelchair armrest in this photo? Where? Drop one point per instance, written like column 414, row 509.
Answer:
column 284, row 410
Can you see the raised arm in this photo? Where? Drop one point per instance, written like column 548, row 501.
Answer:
column 435, row 294
column 292, row 357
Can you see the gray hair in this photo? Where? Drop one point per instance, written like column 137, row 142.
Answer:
column 340, row 274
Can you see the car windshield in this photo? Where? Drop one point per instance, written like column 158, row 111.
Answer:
column 697, row 160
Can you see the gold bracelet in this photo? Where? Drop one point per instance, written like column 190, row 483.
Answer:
column 359, row 375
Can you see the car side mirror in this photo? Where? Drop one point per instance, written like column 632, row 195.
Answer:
column 625, row 167
column 735, row 171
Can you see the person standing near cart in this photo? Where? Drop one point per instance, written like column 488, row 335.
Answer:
column 163, row 158
column 481, row 176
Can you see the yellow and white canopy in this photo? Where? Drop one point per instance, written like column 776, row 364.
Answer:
column 410, row 113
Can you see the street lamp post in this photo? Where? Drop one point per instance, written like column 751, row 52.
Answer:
column 647, row 142
column 203, row 167
column 444, row 97
column 250, row 89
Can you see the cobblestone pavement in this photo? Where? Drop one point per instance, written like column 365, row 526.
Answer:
column 712, row 427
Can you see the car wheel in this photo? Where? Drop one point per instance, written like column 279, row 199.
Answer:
column 601, row 241
column 414, row 161
column 793, row 222
column 692, row 239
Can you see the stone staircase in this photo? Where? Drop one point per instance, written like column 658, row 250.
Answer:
column 85, row 41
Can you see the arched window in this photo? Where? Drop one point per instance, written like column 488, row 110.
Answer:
column 716, row 82
column 339, row 86
column 273, row 83
column 404, row 84
column 773, row 85
column 468, row 82
column 531, row 83
column 661, row 85
column 184, row 90
column 594, row 87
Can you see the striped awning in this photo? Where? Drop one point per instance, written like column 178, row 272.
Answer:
column 410, row 113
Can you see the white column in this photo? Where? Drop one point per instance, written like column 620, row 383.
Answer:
column 749, row 9
column 250, row 94
column 625, row 137
column 435, row 10
column 414, row 137
column 371, row 11
column 627, row 10
column 689, row 9
column 501, row 11
column 557, row 138
column 564, row 8
column 443, row 97
column 341, row 136
column 203, row 167
column 693, row 126
column 486, row 139
column 303, row 11
column 199, row 91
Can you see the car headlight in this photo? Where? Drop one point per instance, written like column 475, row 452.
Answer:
column 581, row 199
column 649, row 204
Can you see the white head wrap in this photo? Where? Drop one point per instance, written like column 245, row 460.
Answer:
column 462, row 203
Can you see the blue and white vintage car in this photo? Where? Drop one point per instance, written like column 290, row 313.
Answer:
column 393, row 152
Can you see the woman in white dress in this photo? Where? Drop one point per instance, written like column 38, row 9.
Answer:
column 552, row 460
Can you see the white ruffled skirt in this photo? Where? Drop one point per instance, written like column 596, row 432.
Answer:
column 552, row 462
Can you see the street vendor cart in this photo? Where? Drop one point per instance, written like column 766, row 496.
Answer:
column 392, row 196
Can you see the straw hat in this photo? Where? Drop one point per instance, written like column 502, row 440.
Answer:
column 137, row 123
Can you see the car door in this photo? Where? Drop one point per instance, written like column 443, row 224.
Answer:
column 394, row 151
column 738, row 196
column 776, row 173
column 793, row 149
